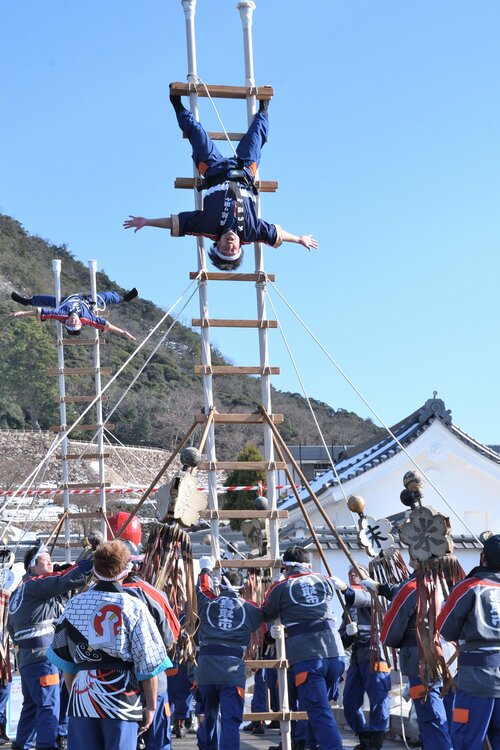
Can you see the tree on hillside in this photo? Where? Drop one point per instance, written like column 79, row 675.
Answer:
column 243, row 477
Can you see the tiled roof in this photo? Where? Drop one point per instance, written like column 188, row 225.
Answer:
column 365, row 456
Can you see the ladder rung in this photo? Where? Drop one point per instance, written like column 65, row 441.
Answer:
column 263, row 186
column 217, row 136
column 234, row 370
column 266, row 663
column 221, row 276
column 250, row 418
column 85, row 485
column 82, row 427
column 85, row 457
column 256, row 562
column 230, row 323
column 224, row 514
column 79, row 342
column 74, row 399
column 78, row 371
column 235, row 465
column 179, row 88
column 84, row 514
column 276, row 716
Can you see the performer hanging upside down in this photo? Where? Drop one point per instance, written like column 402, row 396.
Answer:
column 229, row 215
column 75, row 311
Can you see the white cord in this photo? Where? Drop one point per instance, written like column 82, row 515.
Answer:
column 198, row 80
column 376, row 415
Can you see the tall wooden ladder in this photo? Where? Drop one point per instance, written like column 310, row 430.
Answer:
column 262, row 324
column 94, row 371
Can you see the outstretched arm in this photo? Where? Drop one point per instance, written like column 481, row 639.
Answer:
column 138, row 222
column 307, row 240
column 114, row 329
column 23, row 314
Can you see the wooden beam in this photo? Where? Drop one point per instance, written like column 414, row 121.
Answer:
column 86, row 485
column 74, row 399
column 217, row 136
column 80, row 342
column 235, row 465
column 276, row 716
column 185, row 183
column 82, row 427
column 224, row 514
column 256, row 562
column 233, row 323
column 234, row 370
column 83, row 514
column 250, row 418
column 78, row 371
column 229, row 276
column 86, row 457
column 266, row 663
column 216, row 91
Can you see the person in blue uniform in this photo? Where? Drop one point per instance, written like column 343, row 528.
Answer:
column 229, row 215
column 470, row 617
column 226, row 625
column 33, row 609
column 399, row 631
column 74, row 311
column 304, row 603
column 363, row 677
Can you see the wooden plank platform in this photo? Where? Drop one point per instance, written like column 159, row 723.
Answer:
column 276, row 716
column 217, row 91
column 185, row 183
column 266, row 663
column 248, row 418
column 235, row 465
column 225, row 514
column 74, row 399
column 221, row 136
column 229, row 276
column 84, row 514
column 78, row 371
column 232, row 323
column 80, row 342
column 85, row 485
column 234, row 370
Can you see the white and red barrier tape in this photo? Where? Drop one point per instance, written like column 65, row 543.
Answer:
column 128, row 490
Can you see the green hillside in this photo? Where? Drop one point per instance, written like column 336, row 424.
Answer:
column 160, row 407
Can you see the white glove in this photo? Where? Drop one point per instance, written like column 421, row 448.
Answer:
column 338, row 583
column 276, row 632
column 351, row 628
column 207, row 563
column 369, row 584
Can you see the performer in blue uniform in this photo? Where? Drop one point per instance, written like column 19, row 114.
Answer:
column 74, row 311
column 226, row 625
column 33, row 608
column 304, row 603
column 229, row 215
column 110, row 651
column 399, row 631
column 471, row 618
column 362, row 677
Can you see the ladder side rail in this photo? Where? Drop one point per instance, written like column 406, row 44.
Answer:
column 246, row 8
column 189, row 7
column 56, row 269
column 98, row 406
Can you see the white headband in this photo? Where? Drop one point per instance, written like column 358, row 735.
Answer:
column 303, row 567
column 226, row 586
column 225, row 257
column 114, row 578
column 42, row 550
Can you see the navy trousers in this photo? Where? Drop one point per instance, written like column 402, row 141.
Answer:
column 431, row 715
column 101, row 734
column 230, row 700
column 474, row 719
column 207, row 157
column 317, row 681
column 360, row 680
column 40, row 712
column 159, row 734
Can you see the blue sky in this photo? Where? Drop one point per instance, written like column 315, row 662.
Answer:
column 385, row 141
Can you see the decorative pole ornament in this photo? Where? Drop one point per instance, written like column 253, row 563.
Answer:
column 426, row 532
column 374, row 535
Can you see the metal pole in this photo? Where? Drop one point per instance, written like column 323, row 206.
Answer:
column 189, row 7
column 98, row 404
column 246, row 9
column 56, row 268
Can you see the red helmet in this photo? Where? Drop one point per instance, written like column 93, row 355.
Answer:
column 133, row 532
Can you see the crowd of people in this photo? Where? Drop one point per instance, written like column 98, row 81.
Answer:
column 95, row 647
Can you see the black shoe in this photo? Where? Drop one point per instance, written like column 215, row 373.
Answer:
column 62, row 742
column 21, row 300
column 263, row 105
column 130, row 295
column 377, row 740
column 4, row 739
column 177, row 103
column 258, row 728
column 365, row 740
column 180, row 729
column 275, row 724
column 250, row 727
